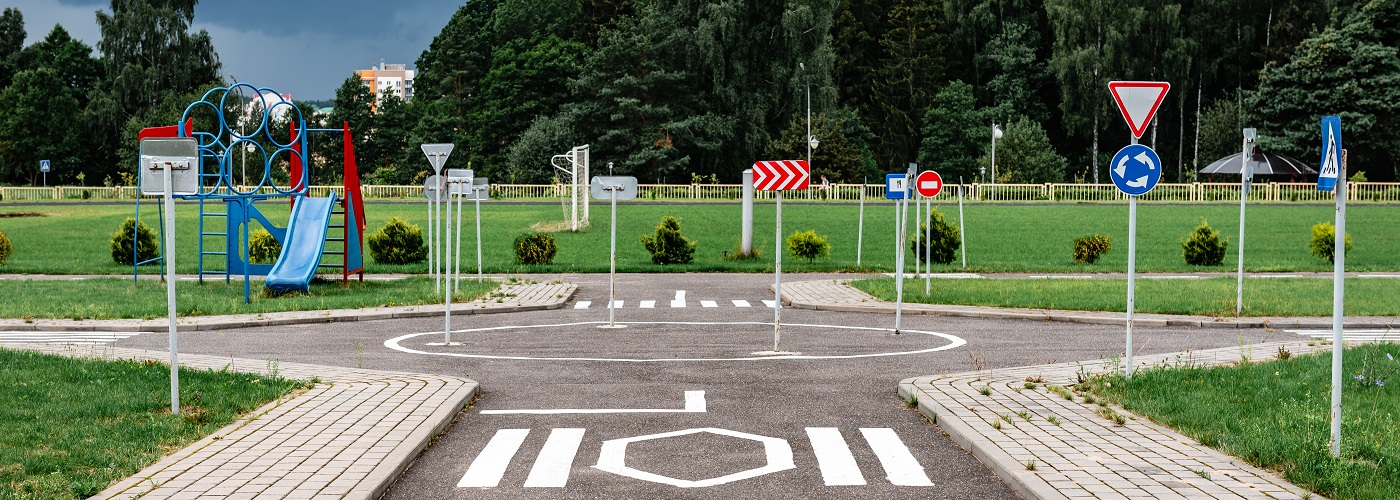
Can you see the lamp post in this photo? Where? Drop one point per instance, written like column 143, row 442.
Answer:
column 996, row 134
column 812, row 141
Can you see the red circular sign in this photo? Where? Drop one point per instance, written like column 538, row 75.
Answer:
column 928, row 184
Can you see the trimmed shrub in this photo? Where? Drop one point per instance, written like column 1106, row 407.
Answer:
column 1203, row 247
column 535, row 248
column 1324, row 241
column 668, row 246
column 5, row 248
column 262, row 247
column 1087, row 249
column 145, row 242
column 808, row 245
column 943, row 237
column 398, row 242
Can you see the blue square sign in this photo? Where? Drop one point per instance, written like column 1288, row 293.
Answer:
column 43, row 166
column 1331, row 153
column 896, row 186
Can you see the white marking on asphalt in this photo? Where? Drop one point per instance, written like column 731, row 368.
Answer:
column 84, row 338
column 1277, row 276
column 679, row 301
column 648, row 304
column 768, row 304
column 1060, row 276
column 1357, row 335
column 963, row 276
column 551, row 469
column 834, row 457
column 900, row 466
column 582, row 304
column 617, row 304
column 708, row 303
column 490, row 466
column 1159, row 277
column 1378, row 275
column 694, row 403
column 612, row 458
column 741, row 303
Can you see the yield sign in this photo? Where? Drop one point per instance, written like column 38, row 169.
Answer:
column 928, row 184
column 1138, row 101
column 781, row 175
column 437, row 155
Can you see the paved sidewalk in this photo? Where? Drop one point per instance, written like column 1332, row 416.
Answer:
column 837, row 295
column 350, row 436
column 1087, row 455
column 511, row 297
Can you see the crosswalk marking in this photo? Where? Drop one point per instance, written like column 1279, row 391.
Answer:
column 708, row 303
column 490, row 466
column 900, row 466
column 582, row 304
column 648, row 304
column 679, row 301
column 741, row 303
column 1358, row 334
column 834, row 457
column 85, row 338
column 617, row 303
column 551, row 469
column 768, row 304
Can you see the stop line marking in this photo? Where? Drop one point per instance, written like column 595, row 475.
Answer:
column 694, row 403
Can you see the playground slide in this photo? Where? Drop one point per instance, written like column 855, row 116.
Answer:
column 306, row 239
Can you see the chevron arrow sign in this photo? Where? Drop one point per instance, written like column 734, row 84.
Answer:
column 781, row 175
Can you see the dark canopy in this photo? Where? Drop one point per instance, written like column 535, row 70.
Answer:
column 1263, row 163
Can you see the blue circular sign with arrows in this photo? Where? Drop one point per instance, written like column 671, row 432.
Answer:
column 1135, row 170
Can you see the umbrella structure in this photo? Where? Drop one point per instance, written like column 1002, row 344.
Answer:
column 1263, row 163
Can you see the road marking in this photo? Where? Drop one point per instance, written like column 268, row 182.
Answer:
column 551, row 469
column 490, row 466
column 648, row 304
column 694, row 403
column 1378, row 275
column 84, row 338
column 741, row 303
column 1157, row 277
column 900, row 466
column 834, row 457
column 582, row 304
column 1060, row 276
column 1358, row 334
column 1277, row 276
column 613, row 457
column 708, row 303
column 617, row 304
column 768, row 304
column 679, row 301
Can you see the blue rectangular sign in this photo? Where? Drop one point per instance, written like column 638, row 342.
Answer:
column 896, row 186
column 43, row 166
column 1331, row 153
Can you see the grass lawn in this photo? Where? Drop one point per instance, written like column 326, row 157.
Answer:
column 1208, row 297
column 1275, row 415
column 71, row 427
column 114, row 298
column 73, row 238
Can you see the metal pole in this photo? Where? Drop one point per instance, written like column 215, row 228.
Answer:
column 900, row 238
column 860, row 225
column 478, row 236
column 778, row 277
column 446, row 268
column 612, row 263
column 170, row 288
column 1132, row 269
column 993, row 180
column 432, row 243
column 928, row 244
column 1339, row 249
column 746, row 232
column 1244, row 189
column 457, row 265
column 962, row 232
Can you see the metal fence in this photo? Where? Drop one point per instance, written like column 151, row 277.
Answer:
column 1373, row 192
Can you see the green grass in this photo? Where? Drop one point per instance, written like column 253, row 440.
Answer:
column 73, row 238
column 1276, row 415
column 70, row 427
column 114, row 298
column 1207, row 297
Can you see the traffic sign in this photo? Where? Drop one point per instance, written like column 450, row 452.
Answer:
column 606, row 187
column 459, row 181
column 1135, row 170
column 896, row 186
column 437, row 155
column 432, row 188
column 1331, row 153
column 781, row 175
column 44, row 166
column 928, row 184
column 1138, row 102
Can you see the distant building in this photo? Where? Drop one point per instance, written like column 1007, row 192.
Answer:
column 396, row 78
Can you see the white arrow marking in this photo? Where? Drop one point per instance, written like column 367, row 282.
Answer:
column 1122, row 167
column 1140, row 182
column 1146, row 160
column 551, row 469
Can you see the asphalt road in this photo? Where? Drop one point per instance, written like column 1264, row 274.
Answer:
column 820, row 419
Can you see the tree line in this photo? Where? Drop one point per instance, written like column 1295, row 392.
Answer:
column 678, row 91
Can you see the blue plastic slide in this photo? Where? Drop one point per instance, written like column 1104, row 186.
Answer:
column 301, row 251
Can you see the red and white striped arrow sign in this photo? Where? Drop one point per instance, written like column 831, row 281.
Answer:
column 781, row 175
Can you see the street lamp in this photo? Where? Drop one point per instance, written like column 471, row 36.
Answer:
column 812, row 141
column 996, row 134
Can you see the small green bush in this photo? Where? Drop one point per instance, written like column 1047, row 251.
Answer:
column 145, row 242
column 5, row 248
column 398, row 242
column 1088, row 248
column 944, row 237
column 535, row 248
column 1324, row 241
column 668, row 246
column 1203, row 247
column 808, row 245
column 262, row 247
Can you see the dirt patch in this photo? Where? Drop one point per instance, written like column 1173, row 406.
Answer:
column 550, row 227
column 6, row 215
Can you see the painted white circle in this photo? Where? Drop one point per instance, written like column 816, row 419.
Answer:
column 953, row 343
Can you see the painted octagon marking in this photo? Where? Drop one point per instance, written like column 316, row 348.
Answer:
column 953, row 343
column 613, row 458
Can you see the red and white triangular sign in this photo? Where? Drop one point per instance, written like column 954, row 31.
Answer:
column 1138, row 101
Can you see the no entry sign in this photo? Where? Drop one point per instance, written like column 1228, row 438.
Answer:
column 928, row 184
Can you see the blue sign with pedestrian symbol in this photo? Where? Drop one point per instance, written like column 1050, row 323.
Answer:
column 1135, row 170
column 44, row 166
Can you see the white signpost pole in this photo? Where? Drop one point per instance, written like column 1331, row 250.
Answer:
column 962, row 231
column 170, row 288
column 860, row 224
column 1339, row 254
column 900, row 242
column 457, row 268
column 447, row 265
column 612, row 262
column 432, row 243
column 778, row 277
column 1246, row 177
column 478, row 230
column 928, row 244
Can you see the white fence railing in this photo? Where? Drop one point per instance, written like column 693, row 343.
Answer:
column 1376, row 192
